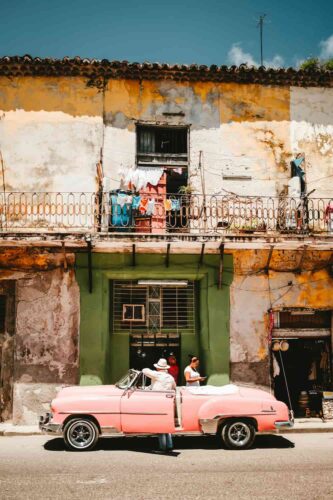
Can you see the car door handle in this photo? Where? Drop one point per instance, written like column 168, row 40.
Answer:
column 169, row 395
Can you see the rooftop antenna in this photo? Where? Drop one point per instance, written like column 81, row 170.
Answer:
column 261, row 27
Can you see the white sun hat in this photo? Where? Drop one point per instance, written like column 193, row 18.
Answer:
column 162, row 364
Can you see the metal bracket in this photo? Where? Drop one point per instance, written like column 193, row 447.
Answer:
column 202, row 255
column 221, row 266
column 90, row 278
column 167, row 259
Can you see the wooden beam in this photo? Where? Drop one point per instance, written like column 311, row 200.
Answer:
column 221, row 266
column 167, row 259
column 133, row 255
column 90, row 278
column 202, row 255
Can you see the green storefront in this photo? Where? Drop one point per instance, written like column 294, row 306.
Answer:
column 133, row 306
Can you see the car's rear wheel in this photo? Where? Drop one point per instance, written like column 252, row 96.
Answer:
column 238, row 434
column 81, row 434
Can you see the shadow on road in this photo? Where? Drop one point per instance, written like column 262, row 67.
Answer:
column 149, row 444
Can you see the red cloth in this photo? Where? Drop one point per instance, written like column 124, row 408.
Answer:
column 174, row 371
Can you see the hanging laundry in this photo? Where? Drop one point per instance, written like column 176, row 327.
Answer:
column 143, row 205
column 121, row 199
column 167, row 205
column 121, row 214
column 175, row 205
column 136, row 202
column 141, row 176
column 178, row 170
column 150, row 207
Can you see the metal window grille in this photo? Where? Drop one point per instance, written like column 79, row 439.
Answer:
column 167, row 310
column 165, row 140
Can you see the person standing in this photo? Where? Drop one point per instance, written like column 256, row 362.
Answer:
column 161, row 381
column 174, row 368
column 191, row 373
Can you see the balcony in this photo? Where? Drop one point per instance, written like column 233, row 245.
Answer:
column 195, row 214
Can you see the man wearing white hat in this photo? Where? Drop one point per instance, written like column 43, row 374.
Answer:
column 161, row 381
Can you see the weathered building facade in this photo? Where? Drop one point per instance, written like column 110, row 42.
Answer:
column 149, row 209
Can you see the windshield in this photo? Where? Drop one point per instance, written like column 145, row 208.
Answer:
column 127, row 380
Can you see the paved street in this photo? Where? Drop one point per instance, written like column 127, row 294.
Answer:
column 297, row 466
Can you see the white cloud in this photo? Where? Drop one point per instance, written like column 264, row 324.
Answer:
column 326, row 48
column 276, row 62
column 237, row 56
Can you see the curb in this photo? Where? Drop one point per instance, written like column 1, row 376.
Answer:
column 305, row 431
column 16, row 433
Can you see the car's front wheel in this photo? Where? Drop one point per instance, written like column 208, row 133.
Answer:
column 81, row 434
column 238, row 434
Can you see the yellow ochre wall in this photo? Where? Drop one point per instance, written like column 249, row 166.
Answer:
column 52, row 130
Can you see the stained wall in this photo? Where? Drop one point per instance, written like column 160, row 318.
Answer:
column 255, row 290
column 53, row 131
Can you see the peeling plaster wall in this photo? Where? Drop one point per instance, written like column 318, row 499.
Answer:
column 255, row 291
column 52, row 130
column 51, row 133
column 46, row 329
column 242, row 130
column 312, row 133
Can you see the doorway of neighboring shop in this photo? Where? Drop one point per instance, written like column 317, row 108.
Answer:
column 7, row 343
column 302, row 346
column 306, row 363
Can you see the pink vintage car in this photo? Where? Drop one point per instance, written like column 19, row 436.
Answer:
column 234, row 413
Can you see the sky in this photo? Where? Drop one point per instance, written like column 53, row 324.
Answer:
column 171, row 31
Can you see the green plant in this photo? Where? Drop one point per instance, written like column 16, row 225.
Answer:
column 186, row 189
column 312, row 63
column 328, row 65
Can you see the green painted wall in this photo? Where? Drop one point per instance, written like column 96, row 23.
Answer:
column 104, row 355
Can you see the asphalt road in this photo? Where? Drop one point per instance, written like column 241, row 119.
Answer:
column 297, row 466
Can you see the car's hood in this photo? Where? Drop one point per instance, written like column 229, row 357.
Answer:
column 89, row 390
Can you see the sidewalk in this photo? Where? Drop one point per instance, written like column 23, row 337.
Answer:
column 302, row 425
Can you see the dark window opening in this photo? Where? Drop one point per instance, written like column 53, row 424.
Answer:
column 162, row 140
column 159, row 145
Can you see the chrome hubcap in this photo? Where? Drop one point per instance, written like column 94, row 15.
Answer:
column 81, row 434
column 239, row 433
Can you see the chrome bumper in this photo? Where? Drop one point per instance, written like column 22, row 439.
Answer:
column 48, row 427
column 288, row 424
column 285, row 424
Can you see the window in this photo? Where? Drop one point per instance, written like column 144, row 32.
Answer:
column 152, row 309
column 133, row 312
column 162, row 145
column 2, row 313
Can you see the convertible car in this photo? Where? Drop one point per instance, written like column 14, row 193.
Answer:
column 130, row 408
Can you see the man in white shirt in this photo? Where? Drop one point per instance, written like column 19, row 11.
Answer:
column 161, row 381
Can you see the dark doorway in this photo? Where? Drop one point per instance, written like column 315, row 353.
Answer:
column 307, row 367
column 7, row 330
